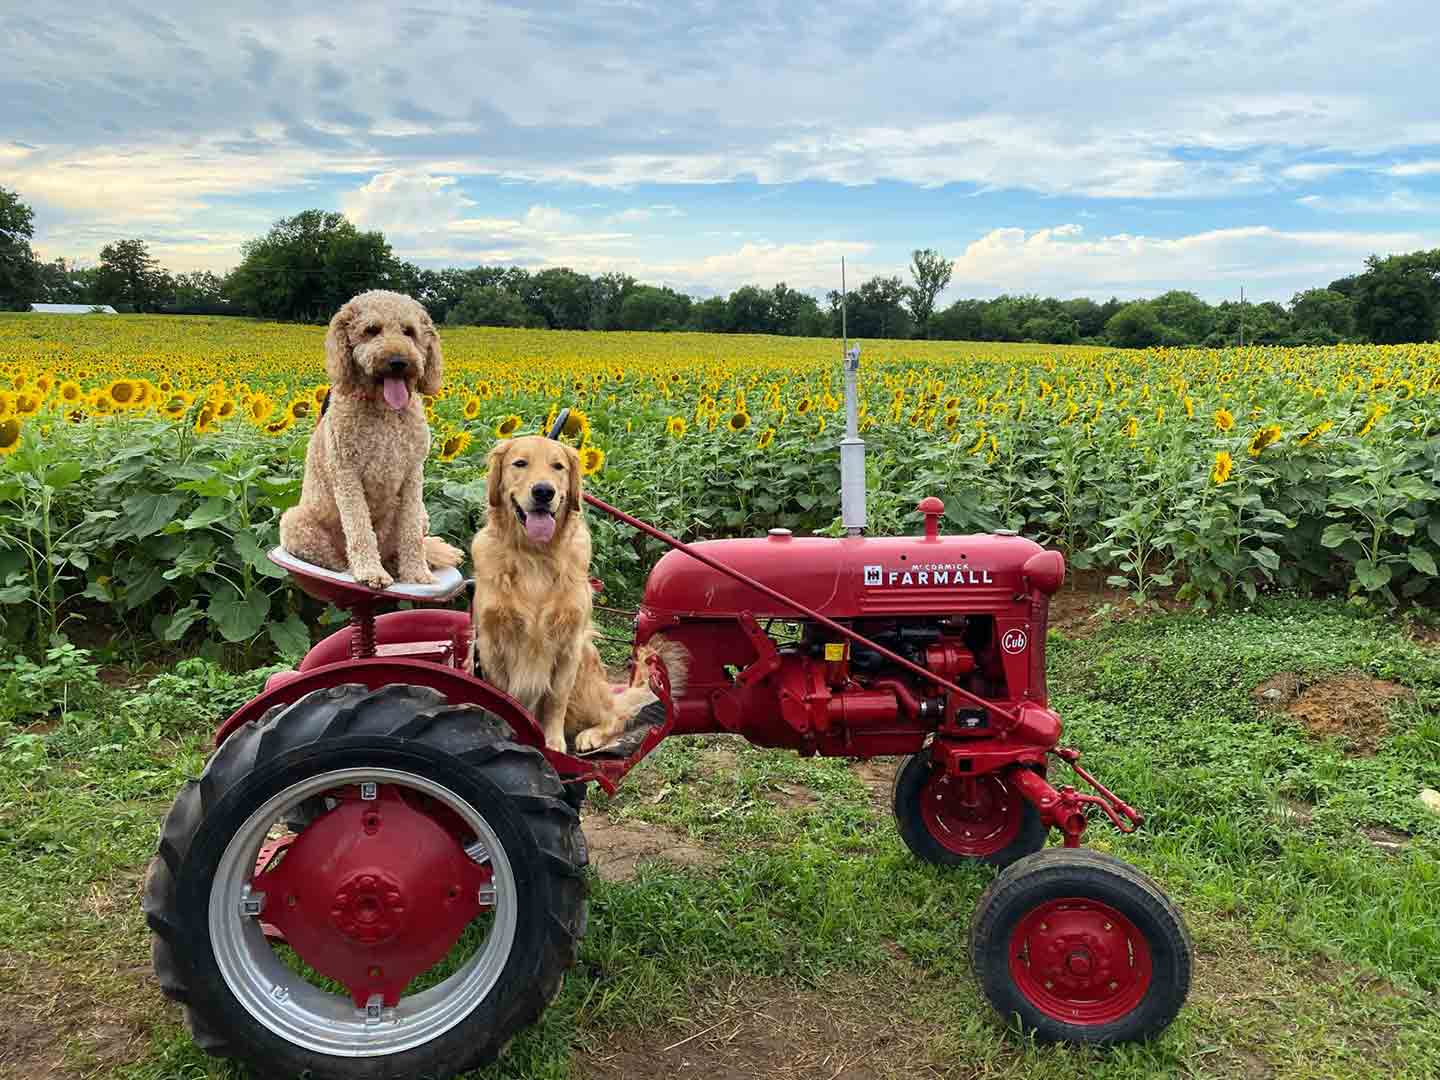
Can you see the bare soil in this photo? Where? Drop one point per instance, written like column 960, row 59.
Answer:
column 618, row 848
column 1352, row 707
column 878, row 776
column 849, row 1031
column 790, row 796
column 1085, row 605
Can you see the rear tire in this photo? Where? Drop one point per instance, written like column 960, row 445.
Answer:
column 1081, row 947
column 408, row 731
column 1006, row 827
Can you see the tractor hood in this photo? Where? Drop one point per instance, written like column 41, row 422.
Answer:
column 855, row 576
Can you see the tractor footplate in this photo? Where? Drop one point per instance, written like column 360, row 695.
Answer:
column 373, row 893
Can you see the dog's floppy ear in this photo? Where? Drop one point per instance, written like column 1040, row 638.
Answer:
column 339, row 363
column 497, row 471
column 434, row 371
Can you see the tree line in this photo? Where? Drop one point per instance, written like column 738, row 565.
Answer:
column 309, row 264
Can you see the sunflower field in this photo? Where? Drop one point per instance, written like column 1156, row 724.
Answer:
column 144, row 460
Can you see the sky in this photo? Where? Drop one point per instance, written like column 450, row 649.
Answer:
column 1059, row 147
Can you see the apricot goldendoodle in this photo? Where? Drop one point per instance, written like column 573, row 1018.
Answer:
column 360, row 506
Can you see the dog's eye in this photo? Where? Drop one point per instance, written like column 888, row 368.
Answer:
column 519, row 463
column 559, row 466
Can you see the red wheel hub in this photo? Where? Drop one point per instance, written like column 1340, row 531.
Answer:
column 1080, row 961
column 972, row 816
column 373, row 893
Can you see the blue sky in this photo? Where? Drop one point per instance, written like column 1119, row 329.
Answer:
column 1066, row 147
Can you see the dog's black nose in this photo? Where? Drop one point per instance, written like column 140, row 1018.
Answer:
column 398, row 364
column 542, row 494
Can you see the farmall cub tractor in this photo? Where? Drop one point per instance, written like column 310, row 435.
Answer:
column 380, row 871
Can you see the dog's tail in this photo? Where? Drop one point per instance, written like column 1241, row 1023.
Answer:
column 672, row 654
column 439, row 554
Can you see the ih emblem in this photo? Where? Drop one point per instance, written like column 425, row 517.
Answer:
column 874, row 575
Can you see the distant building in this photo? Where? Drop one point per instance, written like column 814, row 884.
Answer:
column 72, row 309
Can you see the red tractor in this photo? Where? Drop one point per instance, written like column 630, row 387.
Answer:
column 380, row 871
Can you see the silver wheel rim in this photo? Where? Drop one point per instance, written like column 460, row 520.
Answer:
column 290, row 1006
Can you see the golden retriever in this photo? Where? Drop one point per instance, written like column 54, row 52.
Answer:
column 360, row 504
column 533, row 601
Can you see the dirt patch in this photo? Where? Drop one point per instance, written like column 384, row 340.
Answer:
column 878, row 776
column 1386, row 839
column 618, row 848
column 789, row 796
column 849, row 1032
column 1086, row 604
column 1352, row 707
column 44, row 1017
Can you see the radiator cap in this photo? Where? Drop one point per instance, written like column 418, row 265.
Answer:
column 779, row 535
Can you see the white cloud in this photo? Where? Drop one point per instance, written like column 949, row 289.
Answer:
column 1415, row 168
column 405, row 202
column 1399, row 201
column 1270, row 262
column 1315, row 170
column 638, row 214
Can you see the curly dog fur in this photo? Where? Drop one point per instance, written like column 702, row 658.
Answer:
column 533, row 601
column 360, row 506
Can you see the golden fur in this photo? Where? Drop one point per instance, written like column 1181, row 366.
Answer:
column 360, row 505
column 533, row 603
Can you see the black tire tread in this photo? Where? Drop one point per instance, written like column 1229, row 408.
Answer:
column 905, row 801
column 418, row 714
column 1021, row 876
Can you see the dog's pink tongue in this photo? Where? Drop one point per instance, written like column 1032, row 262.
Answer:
column 397, row 394
column 540, row 527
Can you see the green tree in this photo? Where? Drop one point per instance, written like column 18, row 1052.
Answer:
column 488, row 305
column 1395, row 299
column 199, row 289
column 1134, row 326
column 129, row 275
column 1322, row 316
column 308, row 265
column 561, row 297
column 930, row 273
column 1185, row 319
column 750, row 310
column 19, row 269
column 647, row 307
column 875, row 310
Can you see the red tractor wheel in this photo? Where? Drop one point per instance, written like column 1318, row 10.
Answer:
column 951, row 821
column 366, row 884
column 1081, row 947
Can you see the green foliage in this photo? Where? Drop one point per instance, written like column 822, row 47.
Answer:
column 32, row 691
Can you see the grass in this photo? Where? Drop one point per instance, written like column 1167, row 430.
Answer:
column 1318, row 952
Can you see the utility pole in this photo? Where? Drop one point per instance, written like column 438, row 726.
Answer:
column 1242, row 316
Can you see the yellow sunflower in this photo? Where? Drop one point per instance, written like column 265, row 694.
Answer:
column 280, row 424
column 805, row 406
column 224, row 409
column 1132, row 428
column 259, row 408
column 205, row 419
column 472, row 407
column 577, row 425
column 9, row 435
column 765, row 438
column 1267, row 435
column 1315, row 432
column 123, row 394
column 1224, row 419
column 592, row 460
column 1374, row 418
column 70, row 392
column 299, row 409
column 1224, row 463
column 175, row 406
column 675, row 426
column 454, row 444
column 507, row 427
column 738, row 422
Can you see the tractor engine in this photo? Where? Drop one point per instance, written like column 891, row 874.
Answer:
column 969, row 609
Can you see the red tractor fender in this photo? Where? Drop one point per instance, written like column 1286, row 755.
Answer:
column 459, row 688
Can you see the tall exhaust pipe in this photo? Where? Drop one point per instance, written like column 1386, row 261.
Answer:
column 852, row 447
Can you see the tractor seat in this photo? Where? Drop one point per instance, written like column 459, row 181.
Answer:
column 344, row 591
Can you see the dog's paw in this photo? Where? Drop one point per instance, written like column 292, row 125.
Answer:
column 556, row 743
column 373, row 576
column 416, row 575
column 591, row 739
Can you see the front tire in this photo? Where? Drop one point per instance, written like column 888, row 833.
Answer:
column 963, row 820
column 1081, row 947
column 447, row 784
